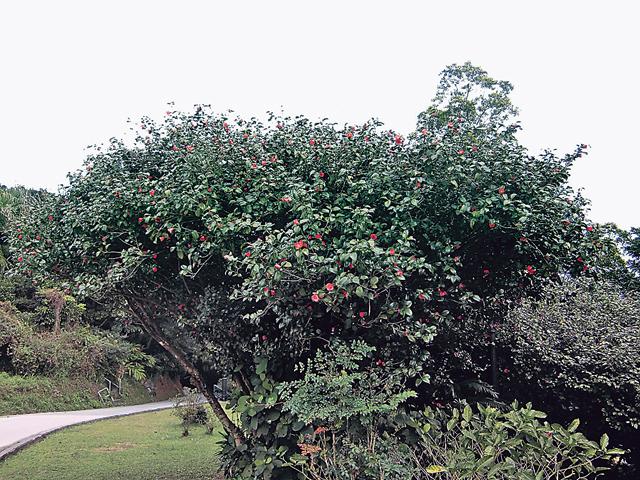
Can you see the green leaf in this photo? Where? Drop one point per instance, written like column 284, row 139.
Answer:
column 435, row 469
column 467, row 413
column 574, row 425
column 262, row 366
column 604, row 441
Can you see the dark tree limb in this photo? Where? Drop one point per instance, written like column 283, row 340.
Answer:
column 189, row 368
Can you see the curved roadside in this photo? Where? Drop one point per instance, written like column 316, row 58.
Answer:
column 19, row 431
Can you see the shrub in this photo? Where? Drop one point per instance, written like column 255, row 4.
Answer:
column 80, row 351
column 352, row 398
column 367, row 428
column 577, row 352
column 189, row 409
column 505, row 445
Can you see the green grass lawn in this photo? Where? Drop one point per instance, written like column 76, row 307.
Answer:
column 148, row 446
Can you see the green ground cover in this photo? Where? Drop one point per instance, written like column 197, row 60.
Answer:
column 32, row 394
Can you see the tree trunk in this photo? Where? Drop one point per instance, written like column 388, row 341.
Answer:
column 191, row 370
column 57, row 318
column 241, row 382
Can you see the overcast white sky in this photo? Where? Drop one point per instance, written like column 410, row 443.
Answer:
column 71, row 73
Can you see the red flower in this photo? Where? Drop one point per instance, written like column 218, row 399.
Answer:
column 345, row 294
column 461, row 286
column 380, row 363
column 373, row 236
column 392, row 251
column 398, row 139
column 424, row 131
column 461, row 152
column 474, row 149
column 155, row 256
column 501, row 190
column 580, row 259
column 585, row 268
column 247, row 254
column 315, row 297
column 225, row 125
column 349, row 135
column 140, row 219
column 492, row 225
column 264, row 338
column 272, row 293
column 321, row 174
column 329, row 287
column 422, row 297
column 531, row 270
column 296, row 221
column 589, row 228
column 286, row 199
column 50, row 217
column 175, row 148
column 171, row 229
column 450, row 125
column 318, row 236
column 300, row 244
column 20, row 259
column 152, row 192
column 312, row 142
column 400, row 273
column 277, row 266
column 485, row 272
column 362, row 314
column 161, row 239
column 506, row 371
column 155, row 269
column 442, row 293
column 189, row 148
column 254, row 165
column 263, row 163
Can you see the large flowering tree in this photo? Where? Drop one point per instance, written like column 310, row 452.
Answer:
column 242, row 246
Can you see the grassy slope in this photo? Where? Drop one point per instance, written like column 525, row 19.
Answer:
column 43, row 394
column 148, row 446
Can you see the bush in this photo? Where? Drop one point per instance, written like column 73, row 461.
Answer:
column 367, row 428
column 189, row 409
column 80, row 351
column 505, row 445
column 577, row 352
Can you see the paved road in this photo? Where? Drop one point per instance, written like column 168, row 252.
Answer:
column 18, row 430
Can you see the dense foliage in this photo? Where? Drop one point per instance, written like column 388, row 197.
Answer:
column 577, row 351
column 79, row 351
column 244, row 247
